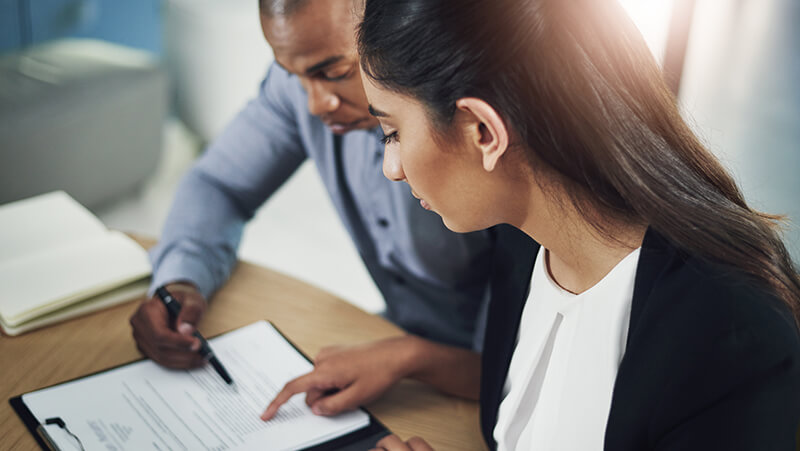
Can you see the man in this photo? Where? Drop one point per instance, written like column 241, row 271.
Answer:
column 312, row 105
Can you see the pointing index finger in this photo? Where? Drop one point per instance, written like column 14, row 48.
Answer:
column 301, row 384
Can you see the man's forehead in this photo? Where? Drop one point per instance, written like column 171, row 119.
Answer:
column 310, row 65
column 309, row 37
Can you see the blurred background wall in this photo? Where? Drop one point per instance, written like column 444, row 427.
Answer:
column 739, row 88
column 739, row 64
column 741, row 91
column 134, row 23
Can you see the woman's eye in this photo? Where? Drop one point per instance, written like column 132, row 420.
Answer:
column 390, row 138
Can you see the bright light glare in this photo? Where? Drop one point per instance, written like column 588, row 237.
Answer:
column 652, row 19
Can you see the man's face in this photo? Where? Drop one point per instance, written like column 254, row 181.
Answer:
column 317, row 45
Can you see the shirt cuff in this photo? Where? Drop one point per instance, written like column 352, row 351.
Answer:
column 181, row 268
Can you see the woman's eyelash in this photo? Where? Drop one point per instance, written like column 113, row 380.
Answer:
column 391, row 137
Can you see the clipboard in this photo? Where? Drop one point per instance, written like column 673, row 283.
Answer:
column 358, row 440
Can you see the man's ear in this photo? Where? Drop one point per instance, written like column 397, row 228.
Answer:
column 485, row 129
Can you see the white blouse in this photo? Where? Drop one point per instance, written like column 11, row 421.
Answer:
column 557, row 394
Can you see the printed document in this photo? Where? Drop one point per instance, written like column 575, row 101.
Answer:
column 144, row 406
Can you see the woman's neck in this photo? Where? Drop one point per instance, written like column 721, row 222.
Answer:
column 579, row 255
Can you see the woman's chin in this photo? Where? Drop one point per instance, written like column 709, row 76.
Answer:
column 457, row 227
column 466, row 225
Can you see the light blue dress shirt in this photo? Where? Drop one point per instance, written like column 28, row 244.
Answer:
column 434, row 281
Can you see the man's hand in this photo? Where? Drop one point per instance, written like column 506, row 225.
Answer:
column 171, row 345
column 394, row 443
column 347, row 377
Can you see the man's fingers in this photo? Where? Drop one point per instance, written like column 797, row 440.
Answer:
column 154, row 313
column 168, row 356
column 180, row 359
column 142, row 350
column 147, row 315
column 156, row 339
column 151, row 322
column 158, row 344
column 168, row 339
column 192, row 310
column 301, row 384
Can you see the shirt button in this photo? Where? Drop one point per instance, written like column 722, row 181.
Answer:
column 383, row 222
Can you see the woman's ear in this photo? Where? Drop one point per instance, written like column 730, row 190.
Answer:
column 485, row 129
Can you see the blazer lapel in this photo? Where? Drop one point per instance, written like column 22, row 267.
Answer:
column 514, row 258
column 631, row 387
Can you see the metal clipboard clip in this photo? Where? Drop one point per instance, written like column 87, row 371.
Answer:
column 51, row 444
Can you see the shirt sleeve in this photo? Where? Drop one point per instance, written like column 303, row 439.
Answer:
column 253, row 156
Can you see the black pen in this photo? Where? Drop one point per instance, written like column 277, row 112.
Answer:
column 174, row 308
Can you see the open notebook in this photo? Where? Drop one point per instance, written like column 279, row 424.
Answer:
column 59, row 261
column 143, row 406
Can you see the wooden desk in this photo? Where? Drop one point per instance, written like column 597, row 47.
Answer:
column 310, row 317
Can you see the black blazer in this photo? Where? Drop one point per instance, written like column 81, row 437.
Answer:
column 712, row 362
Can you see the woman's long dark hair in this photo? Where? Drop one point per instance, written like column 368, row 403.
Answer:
column 576, row 82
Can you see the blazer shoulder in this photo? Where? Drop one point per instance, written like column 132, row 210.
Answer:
column 721, row 300
column 707, row 338
column 714, row 330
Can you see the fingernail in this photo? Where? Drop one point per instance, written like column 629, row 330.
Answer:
column 316, row 410
column 185, row 328
column 196, row 345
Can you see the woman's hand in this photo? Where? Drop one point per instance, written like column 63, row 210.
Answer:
column 393, row 443
column 347, row 377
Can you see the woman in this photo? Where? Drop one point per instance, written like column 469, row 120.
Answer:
column 659, row 311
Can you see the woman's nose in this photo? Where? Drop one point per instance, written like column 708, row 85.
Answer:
column 392, row 169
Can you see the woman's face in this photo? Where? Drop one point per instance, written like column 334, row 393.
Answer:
column 446, row 175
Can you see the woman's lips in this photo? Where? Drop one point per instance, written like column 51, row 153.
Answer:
column 422, row 203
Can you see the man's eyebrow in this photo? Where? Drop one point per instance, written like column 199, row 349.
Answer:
column 324, row 63
column 376, row 113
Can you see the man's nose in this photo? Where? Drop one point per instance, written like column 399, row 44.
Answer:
column 321, row 100
column 392, row 168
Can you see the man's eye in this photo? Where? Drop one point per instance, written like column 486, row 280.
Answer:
column 390, row 138
column 336, row 75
